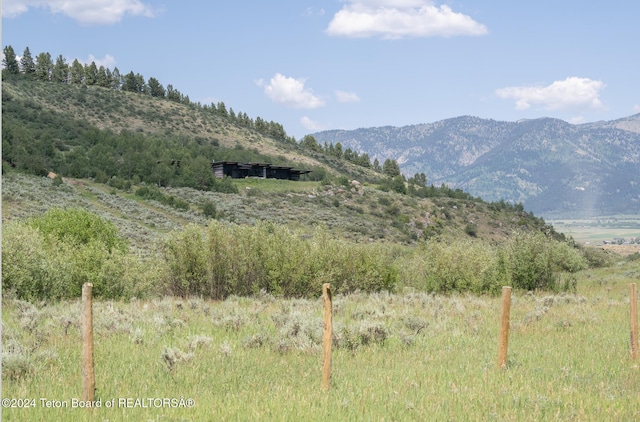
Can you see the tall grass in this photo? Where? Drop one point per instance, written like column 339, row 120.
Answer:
column 434, row 356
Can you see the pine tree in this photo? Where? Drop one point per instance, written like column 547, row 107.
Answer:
column 43, row 67
column 26, row 62
column 10, row 61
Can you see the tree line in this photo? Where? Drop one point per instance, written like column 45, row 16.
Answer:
column 45, row 69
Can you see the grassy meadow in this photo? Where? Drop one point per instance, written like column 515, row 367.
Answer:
column 403, row 356
column 598, row 229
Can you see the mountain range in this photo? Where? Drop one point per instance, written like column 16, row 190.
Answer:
column 552, row 167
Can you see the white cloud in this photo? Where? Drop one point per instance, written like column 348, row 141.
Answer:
column 309, row 124
column 571, row 93
column 347, row 97
column 636, row 108
column 291, row 92
column 312, row 11
column 85, row 12
column 394, row 19
column 108, row 61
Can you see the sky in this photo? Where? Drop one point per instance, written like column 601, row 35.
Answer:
column 316, row 65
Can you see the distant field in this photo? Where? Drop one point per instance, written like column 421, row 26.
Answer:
column 598, row 229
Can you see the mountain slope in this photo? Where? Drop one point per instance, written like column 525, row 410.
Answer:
column 549, row 165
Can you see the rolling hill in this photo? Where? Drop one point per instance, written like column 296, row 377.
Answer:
column 106, row 144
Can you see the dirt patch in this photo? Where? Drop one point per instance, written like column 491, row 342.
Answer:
column 623, row 250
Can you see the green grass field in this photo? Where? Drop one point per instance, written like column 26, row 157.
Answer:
column 598, row 229
column 405, row 356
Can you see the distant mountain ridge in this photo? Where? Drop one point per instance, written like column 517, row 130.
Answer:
column 551, row 166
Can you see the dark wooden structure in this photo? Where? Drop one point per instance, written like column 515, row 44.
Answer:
column 237, row 170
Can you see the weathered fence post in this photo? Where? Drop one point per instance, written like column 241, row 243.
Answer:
column 634, row 320
column 327, row 337
column 88, row 376
column 504, row 327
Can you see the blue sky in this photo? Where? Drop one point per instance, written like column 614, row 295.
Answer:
column 344, row 64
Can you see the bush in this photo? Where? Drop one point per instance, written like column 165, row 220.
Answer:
column 155, row 194
column 78, row 227
column 228, row 259
column 455, row 266
column 41, row 261
column 209, row 209
column 597, row 258
column 537, row 259
column 471, row 230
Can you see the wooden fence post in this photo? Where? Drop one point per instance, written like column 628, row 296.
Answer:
column 88, row 375
column 504, row 327
column 327, row 337
column 634, row 320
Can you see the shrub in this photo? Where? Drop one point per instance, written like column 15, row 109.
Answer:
column 50, row 264
column 597, row 258
column 455, row 266
column 78, row 227
column 26, row 267
column 209, row 209
column 471, row 230
column 155, row 194
column 243, row 260
column 537, row 259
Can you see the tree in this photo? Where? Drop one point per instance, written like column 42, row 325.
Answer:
column 26, row 62
column 103, row 77
column 338, row 150
column 141, row 86
column 309, row 142
column 391, row 168
column 174, row 94
column 197, row 174
column 91, row 74
column 376, row 166
column 76, row 72
column 10, row 61
column 60, row 70
column 115, row 78
column 419, row 179
column 43, row 67
column 155, row 88
column 222, row 109
column 129, row 82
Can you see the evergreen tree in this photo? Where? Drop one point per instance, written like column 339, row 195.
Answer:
column 91, row 74
column 338, row 150
column 222, row 109
column 141, row 86
column 310, row 142
column 60, row 70
column 10, row 61
column 115, row 78
column 26, row 62
column 391, row 168
column 102, row 79
column 43, row 67
column 376, row 166
column 155, row 88
column 129, row 82
column 174, row 94
column 76, row 72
